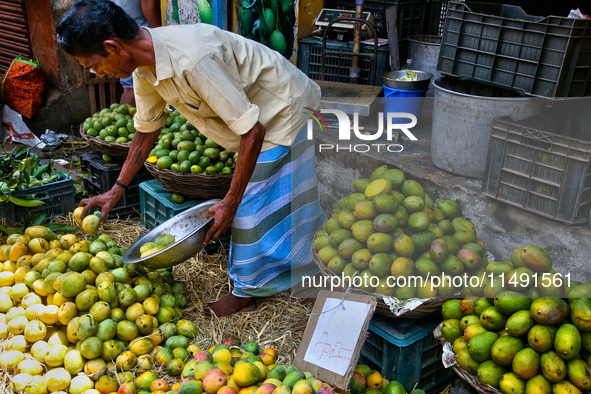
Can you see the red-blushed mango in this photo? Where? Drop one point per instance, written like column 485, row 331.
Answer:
column 227, row 390
column 266, row 388
column 357, row 384
column 549, row 311
column 214, row 380
column 536, row 258
column 203, row 355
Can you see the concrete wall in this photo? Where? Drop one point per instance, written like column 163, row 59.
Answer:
column 501, row 226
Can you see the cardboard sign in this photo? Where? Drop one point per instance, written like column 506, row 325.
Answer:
column 334, row 335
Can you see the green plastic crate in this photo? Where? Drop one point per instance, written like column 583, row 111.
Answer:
column 157, row 207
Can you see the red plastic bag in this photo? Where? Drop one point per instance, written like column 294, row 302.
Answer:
column 22, row 86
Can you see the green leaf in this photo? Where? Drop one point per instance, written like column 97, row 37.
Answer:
column 60, row 227
column 6, row 137
column 8, row 231
column 25, row 203
column 17, row 153
column 40, row 170
column 38, row 220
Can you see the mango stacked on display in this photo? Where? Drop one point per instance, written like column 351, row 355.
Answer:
column 113, row 124
column 528, row 271
column 183, row 149
column 522, row 345
column 70, row 306
column 390, row 228
column 368, row 381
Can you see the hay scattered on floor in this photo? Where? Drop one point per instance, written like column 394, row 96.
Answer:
column 6, row 381
column 123, row 231
column 278, row 322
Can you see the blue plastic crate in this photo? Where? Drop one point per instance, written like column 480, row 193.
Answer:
column 59, row 198
column 406, row 351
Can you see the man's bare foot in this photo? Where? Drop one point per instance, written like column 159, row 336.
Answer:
column 231, row 304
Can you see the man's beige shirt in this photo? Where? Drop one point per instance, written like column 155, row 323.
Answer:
column 223, row 84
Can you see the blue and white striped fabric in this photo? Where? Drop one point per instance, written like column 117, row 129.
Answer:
column 275, row 224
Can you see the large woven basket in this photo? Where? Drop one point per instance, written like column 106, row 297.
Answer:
column 420, row 312
column 113, row 149
column 199, row 186
column 471, row 379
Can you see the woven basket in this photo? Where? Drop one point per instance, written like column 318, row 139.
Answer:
column 420, row 312
column 113, row 149
column 198, row 186
column 471, row 379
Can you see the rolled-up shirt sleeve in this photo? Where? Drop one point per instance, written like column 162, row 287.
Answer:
column 150, row 106
column 217, row 85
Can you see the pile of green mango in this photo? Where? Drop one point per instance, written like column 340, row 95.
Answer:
column 390, row 229
column 522, row 345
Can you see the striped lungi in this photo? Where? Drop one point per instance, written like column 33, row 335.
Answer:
column 276, row 221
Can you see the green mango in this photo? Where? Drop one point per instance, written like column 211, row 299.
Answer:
column 568, row 341
column 519, row 323
column 504, row 350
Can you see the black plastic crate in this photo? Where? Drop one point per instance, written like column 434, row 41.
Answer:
column 406, row 351
column 437, row 12
column 436, row 18
column 502, row 45
column 59, row 199
column 336, row 67
column 410, row 16
column 542, row 164
column 104, row 175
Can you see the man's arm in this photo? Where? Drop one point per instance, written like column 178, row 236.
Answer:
column 140, row 148
column 151, row 10
column 224, row 211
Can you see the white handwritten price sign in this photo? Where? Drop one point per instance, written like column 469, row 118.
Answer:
column 334, row 335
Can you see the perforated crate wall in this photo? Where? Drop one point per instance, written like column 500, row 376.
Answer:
column 547, row 57
column 410, row 15
column 406, row 351
column 337, row 66
column 59, row 199
column 541, row 170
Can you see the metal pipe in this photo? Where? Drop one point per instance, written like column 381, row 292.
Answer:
column 373, row 55
column 355, row 70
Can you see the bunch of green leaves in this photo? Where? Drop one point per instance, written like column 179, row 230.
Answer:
column 20, row 170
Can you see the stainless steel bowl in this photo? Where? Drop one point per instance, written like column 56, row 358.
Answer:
column 188, row 228
column 422, row 82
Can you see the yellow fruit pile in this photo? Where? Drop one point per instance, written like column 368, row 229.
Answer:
column 69, row 306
